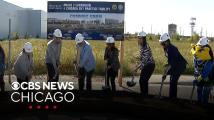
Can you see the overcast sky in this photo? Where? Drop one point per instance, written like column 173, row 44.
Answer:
column 155, row 14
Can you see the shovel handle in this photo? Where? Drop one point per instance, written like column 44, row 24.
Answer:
column 161, row 87
column 193, row 89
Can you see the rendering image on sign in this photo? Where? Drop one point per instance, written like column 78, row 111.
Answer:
column 95, row 20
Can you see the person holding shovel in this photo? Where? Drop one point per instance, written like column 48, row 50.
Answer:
column 52, row 57
column 176, row 64
column 147, row 63
column 112, row 62
column 23, row 66
column 203, row 69
column 2, row 69
column 85, row 62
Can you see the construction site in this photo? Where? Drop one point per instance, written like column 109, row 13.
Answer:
column 77, row 60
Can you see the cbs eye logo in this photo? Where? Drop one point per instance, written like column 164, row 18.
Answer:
column 15, row 86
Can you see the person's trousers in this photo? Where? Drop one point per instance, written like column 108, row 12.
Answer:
column 2, row 83
column 51, row 73
column 174, row 77
column 110, row 77
column 20, row 81
column 173, row 85
column 145, row 75
column 203, row 94
column 84, row 75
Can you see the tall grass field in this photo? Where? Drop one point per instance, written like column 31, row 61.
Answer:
column 68, row 54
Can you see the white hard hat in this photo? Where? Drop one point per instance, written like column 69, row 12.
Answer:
column 164, row 37
column 203, row 41
column 110, row 40
column 141, row 34
column 57, row 33
column 79, row 38
column 28, row 47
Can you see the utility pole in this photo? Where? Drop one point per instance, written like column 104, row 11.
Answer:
column 9, row 54
column 180, row 33
column 151, row 29
column 183, row 34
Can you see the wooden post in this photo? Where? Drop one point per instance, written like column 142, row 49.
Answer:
column 120, row 74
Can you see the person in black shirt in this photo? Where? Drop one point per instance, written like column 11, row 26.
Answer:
column 176, row 64
column 112, row 62
column 2, row 69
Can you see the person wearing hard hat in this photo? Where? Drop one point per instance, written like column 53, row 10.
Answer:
column 203, row 69
column 176, row 64
column 2, row 69
column 147, row 63
column 112, row 62
column 202, row 50
column 52, row 57
column 23, row 66
column 85, row 62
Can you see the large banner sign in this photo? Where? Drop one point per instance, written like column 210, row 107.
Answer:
column 95, row 20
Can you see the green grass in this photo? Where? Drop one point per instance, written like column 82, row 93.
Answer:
column 68, row 53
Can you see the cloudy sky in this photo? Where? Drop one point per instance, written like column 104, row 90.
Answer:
column 155, row 15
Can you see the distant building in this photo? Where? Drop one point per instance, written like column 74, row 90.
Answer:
column 111, row 21
column 172, row 29
column 23, row 21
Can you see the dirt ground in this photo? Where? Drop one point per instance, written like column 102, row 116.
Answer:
column 184, row 85
column 125, row 104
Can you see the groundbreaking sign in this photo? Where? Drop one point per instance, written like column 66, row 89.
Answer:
column 95, row 20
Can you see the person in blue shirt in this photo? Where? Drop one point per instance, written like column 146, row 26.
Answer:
column 2, row 69
column 85, row 62
column 176, row 64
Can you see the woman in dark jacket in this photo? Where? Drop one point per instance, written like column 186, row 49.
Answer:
column 112, row 62
column 176, row 64
column 2, row 69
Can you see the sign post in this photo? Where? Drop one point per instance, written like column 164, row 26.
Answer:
column 120, row 74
